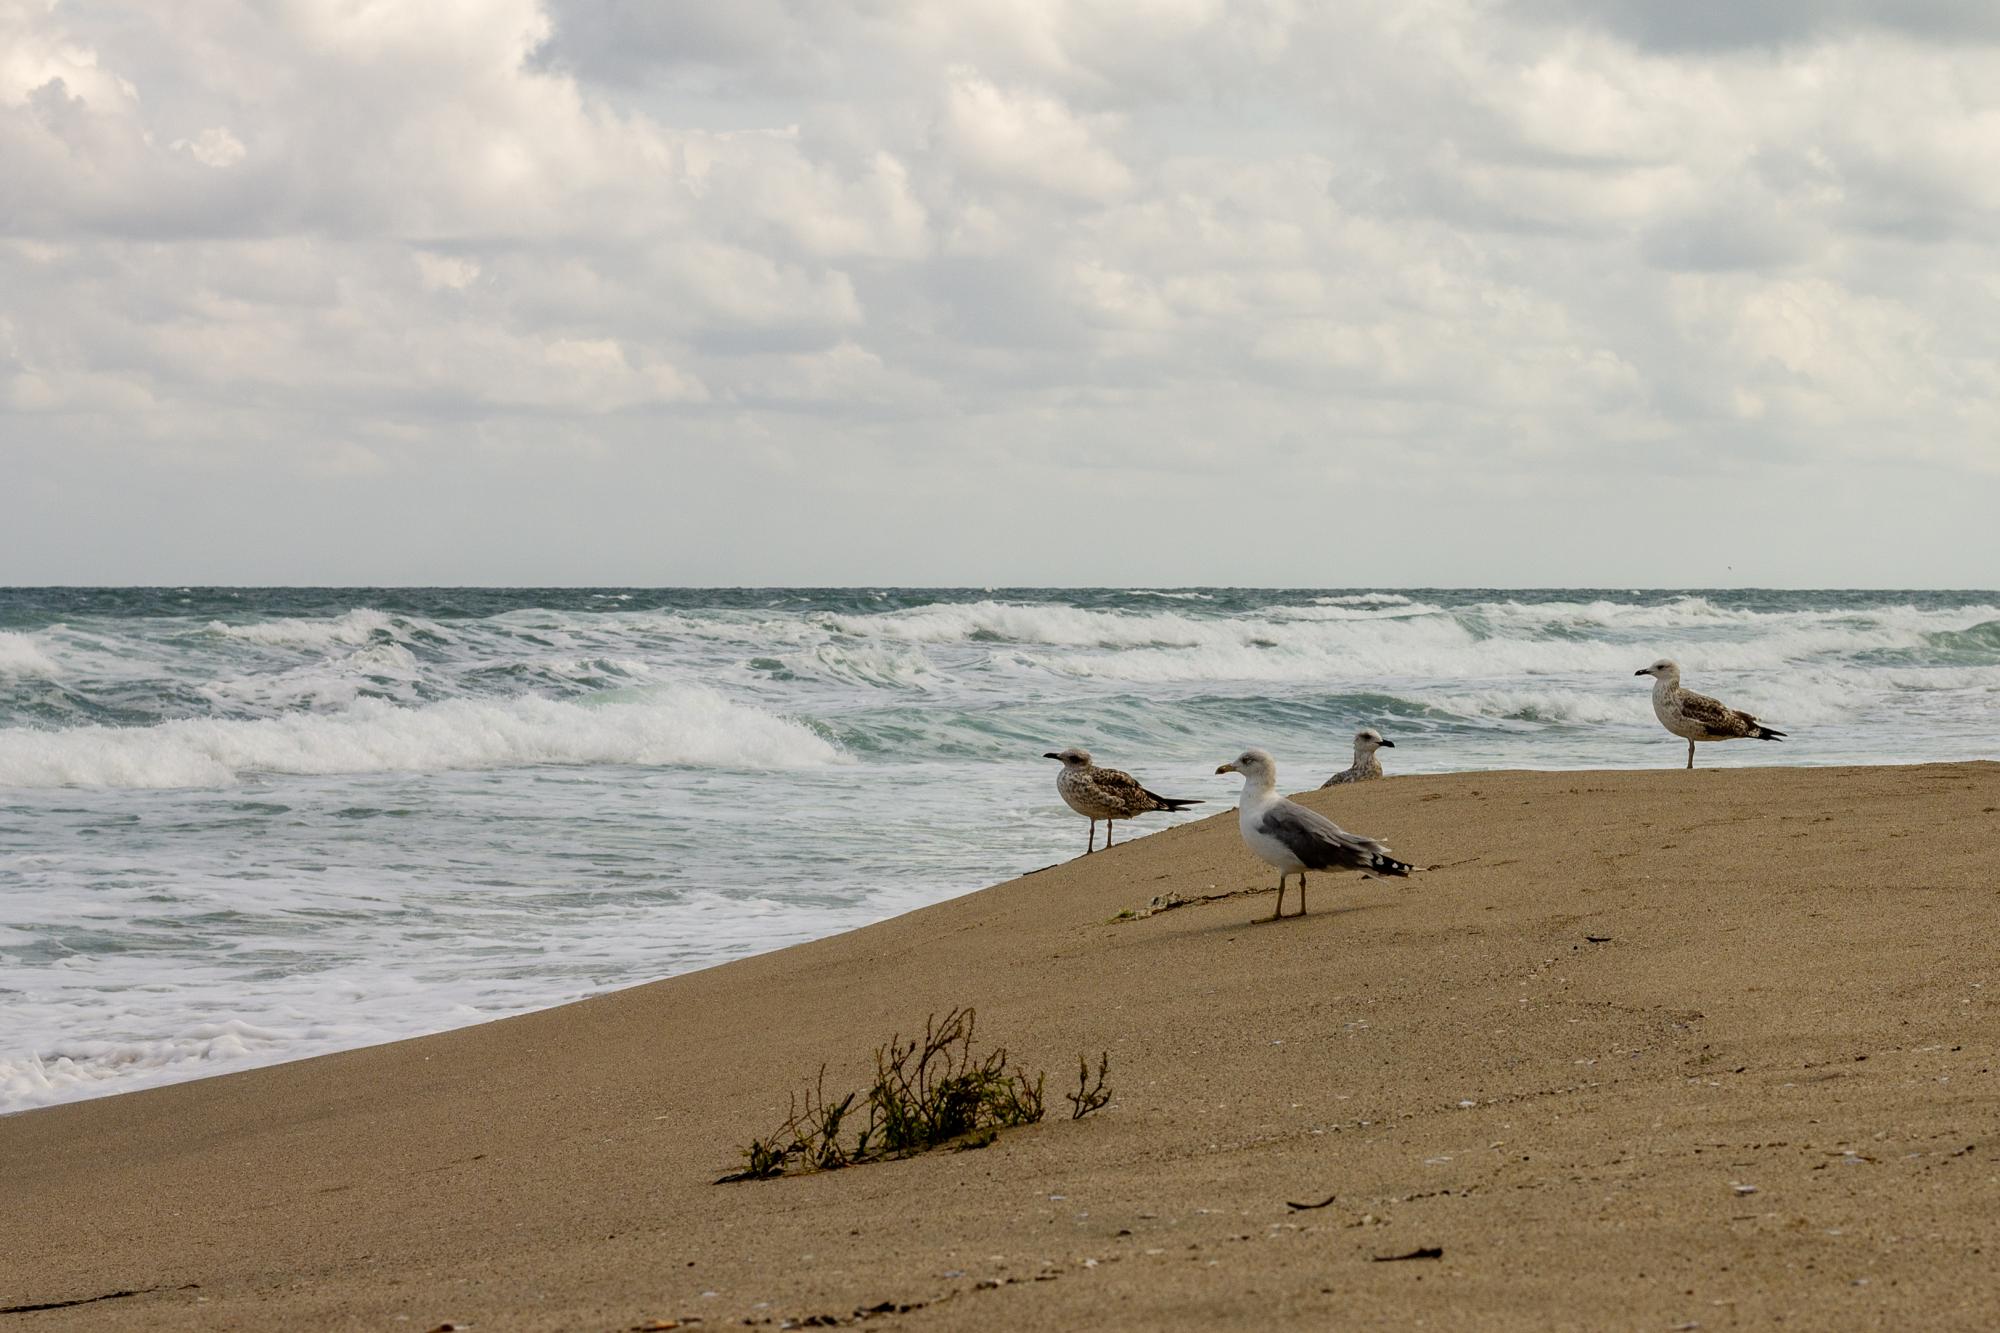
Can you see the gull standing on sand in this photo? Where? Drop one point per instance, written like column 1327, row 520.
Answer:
column 1696, row 717
column 1365, row 766
column 1104, row 793
column 1295, row 839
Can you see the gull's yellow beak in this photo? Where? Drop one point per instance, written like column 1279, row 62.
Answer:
column 1227, row 768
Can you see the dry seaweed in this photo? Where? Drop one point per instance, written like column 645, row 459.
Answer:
column 929, row 1092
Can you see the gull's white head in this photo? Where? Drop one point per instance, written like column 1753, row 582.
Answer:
column 1256, row 766
column 1368, row 740
column 1073, row 757
column 1665, row 669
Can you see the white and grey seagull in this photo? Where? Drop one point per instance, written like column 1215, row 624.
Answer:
column 1696, row 717
column 1284, row 834
column 1365, row 766
column 1104, row 793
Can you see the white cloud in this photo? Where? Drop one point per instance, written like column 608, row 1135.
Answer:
column 213, row 147
column 1015, row 137
column 445, row 272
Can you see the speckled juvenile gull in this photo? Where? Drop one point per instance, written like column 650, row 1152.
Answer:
column 1294, row 839
column 1104, row 793
column 1365, row 766
column 1696, row 717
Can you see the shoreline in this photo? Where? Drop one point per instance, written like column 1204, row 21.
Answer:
column 539, row 1170
column 1709, row 761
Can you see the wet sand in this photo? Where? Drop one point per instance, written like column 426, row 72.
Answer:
column 1645, row 1050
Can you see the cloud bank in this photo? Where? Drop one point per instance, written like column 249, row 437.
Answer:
column 1036, row 291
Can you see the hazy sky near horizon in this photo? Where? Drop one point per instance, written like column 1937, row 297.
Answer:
column 1390, row 292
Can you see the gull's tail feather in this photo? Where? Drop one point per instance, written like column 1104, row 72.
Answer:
column 1171, row 802
column 1381, row 863
column 1764, row 733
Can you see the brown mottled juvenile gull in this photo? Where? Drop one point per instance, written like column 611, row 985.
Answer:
column 1104, row 793
column 1294, row 839
column 1696, row 717
column 1365, row 766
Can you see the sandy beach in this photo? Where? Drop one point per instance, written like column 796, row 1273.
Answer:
column 1644, row 1050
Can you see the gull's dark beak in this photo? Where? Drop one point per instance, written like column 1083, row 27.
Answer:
column 1051, row 755
column 1643, row 671
column 1227, row 768
column 1388, row 744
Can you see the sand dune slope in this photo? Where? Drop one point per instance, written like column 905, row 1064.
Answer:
column 1649, row 1050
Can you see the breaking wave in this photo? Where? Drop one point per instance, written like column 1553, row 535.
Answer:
column 21, row 656
column 683, row 725
column 359, row 626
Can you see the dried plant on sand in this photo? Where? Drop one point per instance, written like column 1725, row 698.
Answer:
column 929, row 1092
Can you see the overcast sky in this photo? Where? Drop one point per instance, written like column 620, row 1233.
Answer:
column 1390, row 292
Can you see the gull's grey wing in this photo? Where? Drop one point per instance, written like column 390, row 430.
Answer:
column 1321, row 844
column 1715, row 717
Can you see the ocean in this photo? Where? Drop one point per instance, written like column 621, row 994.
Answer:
column 245, row 825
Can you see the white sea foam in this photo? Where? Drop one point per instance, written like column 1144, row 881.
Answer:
column 177, row 1025
column 181, row 1008
column 582, row 668
column 1406, row 638
column 675, row 725
column 1573, row 707
column 1011, row 622
column 1864, row 627
column 325, row 684
column 1404, row 610
column 355, row 627
column 1364, row 599
column 22, row 656
column 1447, row 647
column 78, row 1068
column 1336, row 650
column 897, row 668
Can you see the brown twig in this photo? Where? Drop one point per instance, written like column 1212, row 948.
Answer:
column 1427, row 1252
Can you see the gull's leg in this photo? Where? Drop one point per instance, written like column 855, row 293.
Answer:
column 1690, row 754
column 1302, row 893
column 1091, row 846
column 1280, row 912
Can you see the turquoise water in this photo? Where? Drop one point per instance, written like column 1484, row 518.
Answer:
column 241, row 825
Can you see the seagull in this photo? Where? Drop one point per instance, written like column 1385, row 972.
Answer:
column 1365, row 766
column 1696, row 717
column 1295, row 839
column 1104, row 793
